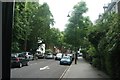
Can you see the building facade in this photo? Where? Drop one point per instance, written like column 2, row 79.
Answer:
column 114, row 6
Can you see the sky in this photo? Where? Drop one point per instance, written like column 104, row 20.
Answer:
column 61, row 8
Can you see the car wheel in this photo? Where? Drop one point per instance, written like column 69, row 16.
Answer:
column 55, row 58
column 69, row 64
column 27, row 64
column 32, row 58
column 36, row 58
column 60, row 63
column 20, row 65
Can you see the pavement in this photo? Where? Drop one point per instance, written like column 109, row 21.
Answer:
column 83, row 70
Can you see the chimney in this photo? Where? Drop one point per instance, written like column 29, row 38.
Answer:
column 105, row 7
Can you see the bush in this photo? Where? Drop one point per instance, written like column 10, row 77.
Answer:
column 107, row 46
column 48, row 51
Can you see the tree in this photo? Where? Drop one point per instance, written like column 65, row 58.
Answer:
column 18, row 30
column 55, row 38
column 105, row 39
column 31, row 23
column 76, row 29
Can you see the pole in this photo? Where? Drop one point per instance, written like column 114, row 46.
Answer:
column 75, row 57
column 1, row 41
column 75, row 54
column 75, row 40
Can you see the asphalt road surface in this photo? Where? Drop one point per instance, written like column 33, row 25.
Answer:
column 42, row 68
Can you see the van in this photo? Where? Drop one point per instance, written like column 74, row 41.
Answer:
column 58, row 56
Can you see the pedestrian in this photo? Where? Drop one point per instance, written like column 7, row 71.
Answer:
column 91, row 58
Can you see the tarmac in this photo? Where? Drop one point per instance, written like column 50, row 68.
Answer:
column 84, row 70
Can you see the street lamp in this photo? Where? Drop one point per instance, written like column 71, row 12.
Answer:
column 75, row 29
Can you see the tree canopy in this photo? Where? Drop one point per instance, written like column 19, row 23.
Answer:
column 31, row 22
column 76, row 29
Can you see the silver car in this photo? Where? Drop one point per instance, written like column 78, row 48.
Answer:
column 28, row 55
column 49, row 56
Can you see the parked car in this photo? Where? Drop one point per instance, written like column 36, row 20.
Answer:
column 66, row 60
column 28, row 55
column 19, row 60
column 58, row 56
column 80, row 54
column 35, row 56
column 71, row 56
column 49, row 56
column 39, row 54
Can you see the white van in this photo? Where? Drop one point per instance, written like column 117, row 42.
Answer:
column 58, row 56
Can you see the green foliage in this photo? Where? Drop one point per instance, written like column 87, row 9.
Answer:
column 15, row 46
column 91, row 51
column 80, row 7
column 41, row 21
column 48, row 51
column 76, row 29
column 105, row 39
column 31, row 22
column 102, row 41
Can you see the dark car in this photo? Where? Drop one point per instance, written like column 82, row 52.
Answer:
column 19, row 60
column 66, row 60
column 49, row 56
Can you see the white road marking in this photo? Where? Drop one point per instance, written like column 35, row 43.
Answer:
column 46, row 67
column 69, row 67
column 64, row 73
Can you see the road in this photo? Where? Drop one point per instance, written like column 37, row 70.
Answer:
column 50, row 68
column 42, row 68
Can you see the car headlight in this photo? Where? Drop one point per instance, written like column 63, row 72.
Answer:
column 68, row 60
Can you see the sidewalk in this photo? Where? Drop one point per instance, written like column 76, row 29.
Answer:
column 83, row 70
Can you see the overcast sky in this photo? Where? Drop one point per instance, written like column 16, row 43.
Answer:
column 61, row 8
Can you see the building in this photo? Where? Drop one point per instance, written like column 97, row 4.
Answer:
column 114, row 6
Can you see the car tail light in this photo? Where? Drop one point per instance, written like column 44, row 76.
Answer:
column 17, row 59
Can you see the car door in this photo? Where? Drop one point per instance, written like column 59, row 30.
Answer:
column 13, row 58
column 22, row 58
column 30, row 55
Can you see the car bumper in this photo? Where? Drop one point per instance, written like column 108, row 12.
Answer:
column 64, row 62
column 15, row 64
column 57, row 58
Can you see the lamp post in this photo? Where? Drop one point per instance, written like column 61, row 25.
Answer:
column 75, row 29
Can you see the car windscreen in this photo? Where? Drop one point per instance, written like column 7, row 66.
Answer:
column 59, row 55
column 29, row 53
column 21, row 55
column 66, row 58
